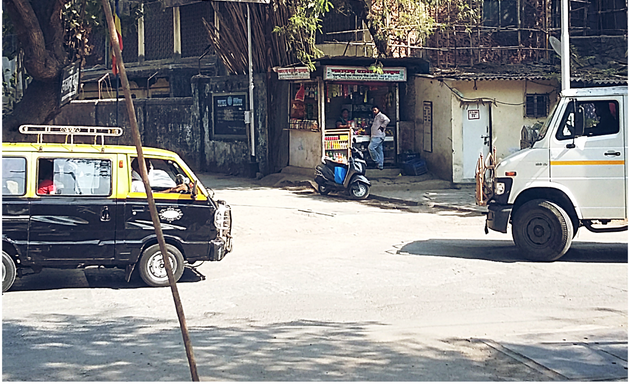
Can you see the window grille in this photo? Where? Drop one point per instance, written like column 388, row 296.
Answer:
column 193, row 32
column 130, row 45
column 340, row 27
column 158, row 32
column 536, row 105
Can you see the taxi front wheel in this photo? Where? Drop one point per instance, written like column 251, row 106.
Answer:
column 151, row 265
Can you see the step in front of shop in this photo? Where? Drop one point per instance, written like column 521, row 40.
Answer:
column 386, row 172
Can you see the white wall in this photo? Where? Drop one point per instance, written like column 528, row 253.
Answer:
column 440, row 160
column 507, row 117
column 508, row 109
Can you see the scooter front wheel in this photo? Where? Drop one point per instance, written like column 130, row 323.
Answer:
column 323, row 190
column 359, row 190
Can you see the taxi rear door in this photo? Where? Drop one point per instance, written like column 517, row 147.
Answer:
column 73, row 222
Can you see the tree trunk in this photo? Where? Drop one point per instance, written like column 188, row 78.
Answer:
column 39, row 105
column 39, row 28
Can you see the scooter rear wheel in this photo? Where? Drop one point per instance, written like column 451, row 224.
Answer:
column 323, row 190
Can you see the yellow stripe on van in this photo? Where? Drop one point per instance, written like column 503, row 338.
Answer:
column 589, row 162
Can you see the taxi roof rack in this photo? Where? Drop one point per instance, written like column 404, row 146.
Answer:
column 70, row 131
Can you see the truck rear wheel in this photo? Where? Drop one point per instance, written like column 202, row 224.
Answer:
column 542, row 230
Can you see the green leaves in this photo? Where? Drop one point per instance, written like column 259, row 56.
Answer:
column 304, row 23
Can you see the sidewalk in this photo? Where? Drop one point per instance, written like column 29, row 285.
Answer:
column 391, row 186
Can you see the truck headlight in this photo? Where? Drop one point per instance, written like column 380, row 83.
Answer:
column 499, row 189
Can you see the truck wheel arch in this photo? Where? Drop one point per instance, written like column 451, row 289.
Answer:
column 553, row 195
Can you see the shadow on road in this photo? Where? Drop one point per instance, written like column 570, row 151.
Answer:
column 50, row 279
column 102, row 348
column 505, row 251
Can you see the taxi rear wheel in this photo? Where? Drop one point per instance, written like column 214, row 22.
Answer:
column 9, row 271
column 151, row 265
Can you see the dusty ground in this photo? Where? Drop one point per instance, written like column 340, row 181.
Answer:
column 321, row 288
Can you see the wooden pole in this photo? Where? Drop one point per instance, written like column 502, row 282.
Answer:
column 145, row 179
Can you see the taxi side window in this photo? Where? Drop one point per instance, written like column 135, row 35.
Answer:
column 76, row 176
column 13, row 176
column 164, row 176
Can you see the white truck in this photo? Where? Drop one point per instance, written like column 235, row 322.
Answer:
column 574, row 174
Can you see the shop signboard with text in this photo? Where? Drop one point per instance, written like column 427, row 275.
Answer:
column 294, row 73
column 346, row 73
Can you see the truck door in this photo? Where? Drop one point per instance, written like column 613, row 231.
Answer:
column 72, row 218
column 592, row 166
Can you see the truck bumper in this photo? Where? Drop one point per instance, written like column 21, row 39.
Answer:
column 498, row 217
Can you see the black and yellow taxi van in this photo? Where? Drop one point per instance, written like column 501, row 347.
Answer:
column 67, row 205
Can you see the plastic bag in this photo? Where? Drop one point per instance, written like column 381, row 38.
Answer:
column 300, row 93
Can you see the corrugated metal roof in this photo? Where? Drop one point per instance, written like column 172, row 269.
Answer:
column 600, row 82
column 489, row 72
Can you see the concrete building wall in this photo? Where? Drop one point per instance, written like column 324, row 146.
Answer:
column 180, row 124
column 232, row 155
column 507, row 117
column 163, row 123
column 439, row 155
column 507, row 110
column 345, row 49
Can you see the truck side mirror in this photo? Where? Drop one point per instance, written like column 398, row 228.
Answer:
column 579, row 121
column 576, row 127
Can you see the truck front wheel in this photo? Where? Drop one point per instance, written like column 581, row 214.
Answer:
column 542, row 230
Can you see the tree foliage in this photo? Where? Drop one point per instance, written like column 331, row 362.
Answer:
column 50, row 34
column 391, row 23
column 302, row 26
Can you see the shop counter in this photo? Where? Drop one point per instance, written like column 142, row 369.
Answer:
column 366, row 138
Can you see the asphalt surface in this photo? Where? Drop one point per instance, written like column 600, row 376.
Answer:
column 311, row 294
column 577, row 356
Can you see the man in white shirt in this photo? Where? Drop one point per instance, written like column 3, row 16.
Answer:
column 136, row 180
column 378, row 136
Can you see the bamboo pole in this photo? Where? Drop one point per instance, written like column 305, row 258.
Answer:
column 145, row 179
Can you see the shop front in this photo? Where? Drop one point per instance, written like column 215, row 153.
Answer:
column 318, row 126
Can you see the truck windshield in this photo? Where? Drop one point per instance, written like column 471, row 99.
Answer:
column 545, row 127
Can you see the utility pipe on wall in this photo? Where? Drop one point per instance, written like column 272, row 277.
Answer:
column 251, row 84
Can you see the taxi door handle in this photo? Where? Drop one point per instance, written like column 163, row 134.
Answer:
column 612, row 153
column 105, row 216
column 135, row 209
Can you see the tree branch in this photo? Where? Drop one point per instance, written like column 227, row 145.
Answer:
column 38, row 60
column 361, row 8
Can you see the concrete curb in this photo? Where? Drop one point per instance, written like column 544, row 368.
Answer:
column 302, row 177
column 392, row 200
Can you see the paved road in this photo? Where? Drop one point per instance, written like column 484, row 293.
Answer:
column 321, row 288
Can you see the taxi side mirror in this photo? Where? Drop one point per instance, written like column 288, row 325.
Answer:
column 193, row 193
